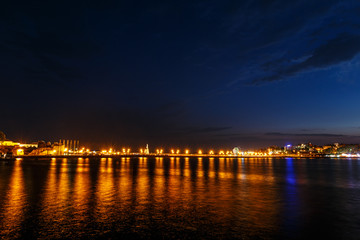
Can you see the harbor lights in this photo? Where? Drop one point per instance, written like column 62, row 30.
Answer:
column 211, row 152
column 178, row 151
column 82, row 150
column 20, row 152
column 200, row 152
column 187, row 151
column 172, row 151
column 159, row 151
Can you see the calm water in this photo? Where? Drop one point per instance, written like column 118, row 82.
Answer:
column 173, row 198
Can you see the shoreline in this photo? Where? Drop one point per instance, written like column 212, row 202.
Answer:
column 43, row 157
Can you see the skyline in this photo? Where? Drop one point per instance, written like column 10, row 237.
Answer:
column 199, row 73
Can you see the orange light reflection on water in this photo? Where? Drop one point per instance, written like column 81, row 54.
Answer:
column 104, row 191
column 15, row 204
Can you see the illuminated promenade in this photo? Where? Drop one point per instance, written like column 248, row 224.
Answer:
column 132, row 155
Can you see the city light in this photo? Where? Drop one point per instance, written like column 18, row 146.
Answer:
column 20, row 152
column 299, row 150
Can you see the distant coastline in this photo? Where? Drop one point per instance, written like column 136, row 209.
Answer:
column 175, row 156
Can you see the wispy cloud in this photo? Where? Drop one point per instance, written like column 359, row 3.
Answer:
column 307, row 134
column 343, row 47
column 204, row 129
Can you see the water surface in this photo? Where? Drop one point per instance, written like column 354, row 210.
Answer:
column 172, row 198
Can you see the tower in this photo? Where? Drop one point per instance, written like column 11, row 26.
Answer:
column 147, row 151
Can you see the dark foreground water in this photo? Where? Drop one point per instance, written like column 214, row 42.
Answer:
column 176, row 198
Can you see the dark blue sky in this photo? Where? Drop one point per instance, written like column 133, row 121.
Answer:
column 181, row 73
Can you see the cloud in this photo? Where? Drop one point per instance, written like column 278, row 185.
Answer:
column 306, row 134
column 312, row 129
column 343, row 47
column 204, row 129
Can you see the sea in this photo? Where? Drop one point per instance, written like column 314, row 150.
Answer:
column 180, row 198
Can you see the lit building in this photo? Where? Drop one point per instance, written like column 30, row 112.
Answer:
column 8, row 143
column 236, row 151
column 147, row 151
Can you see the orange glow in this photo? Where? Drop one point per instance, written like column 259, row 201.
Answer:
column 20, row 152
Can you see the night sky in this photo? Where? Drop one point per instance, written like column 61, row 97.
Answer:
column 181, row 73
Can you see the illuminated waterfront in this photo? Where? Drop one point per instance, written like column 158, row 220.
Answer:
column 180, row 197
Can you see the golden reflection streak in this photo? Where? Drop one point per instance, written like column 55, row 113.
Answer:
column 186, row 184
column 142, row 186
column 158, row 179
column 55, row 212
column 124, row 188
column 81, row 194
column 211, row 168
column 200, row 170
column 177, row 170
column 187, row 172
column 13, row 213
column 104, row 191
